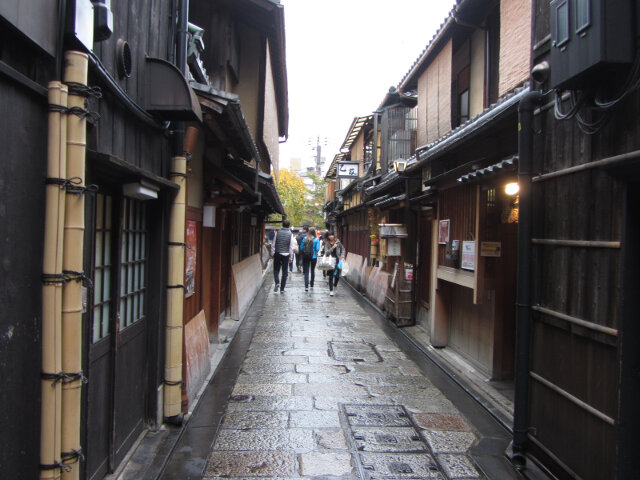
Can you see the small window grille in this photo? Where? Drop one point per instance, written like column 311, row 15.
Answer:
column 102, row 269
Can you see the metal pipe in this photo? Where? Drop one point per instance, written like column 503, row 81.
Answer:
column 76, row 71
column 523, row 296
column 52, row 290
column 587, row 166
column 576, row 321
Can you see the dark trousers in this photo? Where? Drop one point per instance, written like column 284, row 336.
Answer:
column 280, row 262
column 334, row 277
column 309, row 266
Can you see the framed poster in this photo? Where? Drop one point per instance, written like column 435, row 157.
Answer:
column 191, row 240
column 393, row 247
column 443, row 232
column 468, row 256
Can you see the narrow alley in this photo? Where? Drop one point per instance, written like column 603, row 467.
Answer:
column 316, row 389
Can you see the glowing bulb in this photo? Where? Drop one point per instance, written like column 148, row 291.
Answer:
column 511, row 188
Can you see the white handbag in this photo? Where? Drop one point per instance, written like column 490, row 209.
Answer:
column 326, row 262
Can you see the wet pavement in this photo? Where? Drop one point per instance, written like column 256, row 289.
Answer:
column 314, row 387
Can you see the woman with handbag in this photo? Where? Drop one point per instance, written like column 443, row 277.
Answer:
column 333, row 249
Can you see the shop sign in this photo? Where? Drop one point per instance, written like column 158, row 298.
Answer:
column 491, row 249
column 468, row 256
column 348, row 169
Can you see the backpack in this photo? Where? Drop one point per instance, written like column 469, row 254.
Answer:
column 308, row 249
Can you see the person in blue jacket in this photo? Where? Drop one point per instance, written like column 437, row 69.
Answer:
column 309, row 250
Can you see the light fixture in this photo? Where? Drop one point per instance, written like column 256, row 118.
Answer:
column 511, row 188
column 399, row 165
column 141, row 190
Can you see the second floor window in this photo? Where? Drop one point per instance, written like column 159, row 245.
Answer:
column 460, row 93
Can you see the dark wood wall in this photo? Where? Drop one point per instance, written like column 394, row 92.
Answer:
column 23, row 136
column 583, row 282
column 145, row 25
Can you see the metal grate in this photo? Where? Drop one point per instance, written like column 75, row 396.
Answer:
column 102, row 268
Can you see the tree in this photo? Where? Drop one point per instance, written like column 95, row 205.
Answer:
column 316, row 199
column 293, row 194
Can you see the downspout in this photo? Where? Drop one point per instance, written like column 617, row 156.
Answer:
column 176, row 250
column 75, row 74
column 523, row 294
column 175, row 295
column 52, row 278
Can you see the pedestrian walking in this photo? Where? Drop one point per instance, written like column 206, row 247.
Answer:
column 333, row 248
column 323, row 242
column 282, row 248
column 299, row 238
column 309, row 248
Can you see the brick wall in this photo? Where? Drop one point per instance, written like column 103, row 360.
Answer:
column 515, row 43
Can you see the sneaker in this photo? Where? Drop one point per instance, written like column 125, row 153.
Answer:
column 306, row 289
column 331, row 293
column 277, row 286
column 281, row 291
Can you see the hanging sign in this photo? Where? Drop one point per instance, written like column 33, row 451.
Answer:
column 468, row 256
column 348, row 169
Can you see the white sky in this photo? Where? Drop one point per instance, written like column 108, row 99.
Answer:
column 342, row 57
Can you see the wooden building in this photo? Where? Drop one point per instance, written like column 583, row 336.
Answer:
column 576, row 398
column 126, row 130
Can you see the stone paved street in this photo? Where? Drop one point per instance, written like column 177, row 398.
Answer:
column 324, row 393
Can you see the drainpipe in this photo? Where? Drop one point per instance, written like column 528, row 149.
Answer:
column 50, row 461
column 175, row 289
column 175, row 296
column 523, row 295
column 76, row 68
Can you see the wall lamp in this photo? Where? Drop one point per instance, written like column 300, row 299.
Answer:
column 511, row 188
column 400, row 165
column 140, row 191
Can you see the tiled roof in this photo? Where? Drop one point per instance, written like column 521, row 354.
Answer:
column 504, row 105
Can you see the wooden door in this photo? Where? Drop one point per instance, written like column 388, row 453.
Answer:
column 117, row 322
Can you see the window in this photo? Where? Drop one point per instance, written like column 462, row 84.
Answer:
column 583, row 16
column 561, row 30
column 102, row 268
column 133, row 261
column 461, row 100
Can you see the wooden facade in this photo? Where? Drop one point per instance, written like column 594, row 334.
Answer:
column 129, row 141
column 582, row 287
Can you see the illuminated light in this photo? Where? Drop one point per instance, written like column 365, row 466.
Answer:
column 511, row 188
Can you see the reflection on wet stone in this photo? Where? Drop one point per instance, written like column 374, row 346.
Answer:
column 323, row 393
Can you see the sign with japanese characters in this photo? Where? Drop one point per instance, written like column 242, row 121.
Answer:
column 348, row 169
column 468, row 255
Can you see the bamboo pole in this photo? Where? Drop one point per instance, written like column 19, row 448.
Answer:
column 52, row 291
column 175, row 294
column 76, row 67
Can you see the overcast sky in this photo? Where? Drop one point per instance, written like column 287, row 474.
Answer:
column 342, row 57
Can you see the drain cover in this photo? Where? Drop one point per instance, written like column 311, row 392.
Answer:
column 353, row 352
column 386, row 443
column 377, row 416
column 388, row 439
